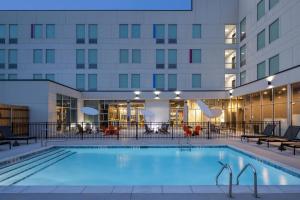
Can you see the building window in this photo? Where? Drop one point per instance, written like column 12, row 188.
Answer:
column 261, row 40
column 2, row 34
column 243, row 78
column 50, row 31
column 50, row 77
column 2, row 58
column 80, row 33
column 172, row 58
column 159, row 81
column 123, row 81
column 135, row 81
column 2, row 76
column 124, row 54
column 261, row 70
column 12, row 76
column 159, row 33
column 274, row 31
column 136, row 56
column 243, row 29
column 172, row 34
column 93, row 58
column 272, row 3
column 160, row 58
column 196, row 80
column 13, row 34
column 50, row 56
column 80, row 58
column 37, row 76
column 260, row 9
column 274, row 65
column 80, row 82
column 172, row 81
column 243, row 55
column 197, row 31
column 36, row 31
column 135, row 31
column 37, row 56
column 230, row 34
column 195, row 55
column 230, row 58
column 296, row 104
column 92, row 82
column 12, row 58
column 93, row 33
column 123, row 31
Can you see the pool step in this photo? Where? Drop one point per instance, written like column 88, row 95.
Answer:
column 28, row 161
column 25, row 171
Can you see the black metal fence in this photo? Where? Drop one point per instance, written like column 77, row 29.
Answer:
column 116, row 130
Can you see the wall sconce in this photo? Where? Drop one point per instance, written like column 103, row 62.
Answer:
column 230, row 93
column 269, row 80
column 157, row 93
column 177, row 95
column 137, row 95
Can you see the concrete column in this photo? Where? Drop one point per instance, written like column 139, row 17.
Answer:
column 289, row 104
column 185, row 112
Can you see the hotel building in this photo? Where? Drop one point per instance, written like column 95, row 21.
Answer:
column 239, row 55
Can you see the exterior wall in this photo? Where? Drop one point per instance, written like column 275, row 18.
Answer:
column 288, row 44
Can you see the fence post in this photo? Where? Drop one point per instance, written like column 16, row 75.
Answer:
column 208, row 130
column 279, row 128
column 82, row 131
column 172, row 124
column 118, row 130
column 244, row 127
column 136, row 130
column 46, row 130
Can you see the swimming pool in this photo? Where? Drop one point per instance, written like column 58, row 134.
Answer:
column 140, row 166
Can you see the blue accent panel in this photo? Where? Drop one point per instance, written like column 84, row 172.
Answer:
column 154, row 31
column 154, row 81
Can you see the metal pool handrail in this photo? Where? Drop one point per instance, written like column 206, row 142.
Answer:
column 225, row 166
column 254, row 178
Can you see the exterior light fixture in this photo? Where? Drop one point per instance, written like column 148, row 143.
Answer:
column 177, row 95
column 231, row 93
column 269, row 80
column 137, row 95
column 157, row 93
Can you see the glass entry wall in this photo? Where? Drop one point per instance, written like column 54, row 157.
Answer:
column 136, row 108
column 66, row 111
column 176, row 112
column 296, row 104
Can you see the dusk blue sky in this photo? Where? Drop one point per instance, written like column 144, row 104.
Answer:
column 95, row 5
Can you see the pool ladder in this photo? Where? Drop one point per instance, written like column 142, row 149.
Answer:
column 226, row 166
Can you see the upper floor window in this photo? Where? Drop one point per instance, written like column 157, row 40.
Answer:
column 195, row 55
column 243, row 55
column 172, row 81
column 2, row 34
column 274, row 31
column 36, row 31
column 37, row 76
column 50, row 31
column 50, row 56
column 261, row 70
column 135, row 31
column 243, row 78
column 230, row 34
column 2, row 58
column 135, row 81
column 261, row 39
column 13, row 34
column 243, row 29
column 260, row 9
column 92, row 82
column 172, row 58
column 159, row 81
column 136, row 56
column 124, row 56
column 80, row 58
column 123, row 31
column 50, row 77
column 123, row 81
column 274, row 65
column 272, row 3
column 230, row 58
column 160, row 58
column 172, row 33
column 93, row 33
column 12, row 58
column 37, row 56
column 80, row 82
column 159, row 33
column 93, row 58
column 197, row 32
column 2, row 76
column 196, row 81
column 12, row 76
column 80, row 33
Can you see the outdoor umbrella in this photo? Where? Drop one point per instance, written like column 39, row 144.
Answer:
column 89, row 111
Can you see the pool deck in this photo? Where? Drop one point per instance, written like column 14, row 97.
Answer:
column 285, row 159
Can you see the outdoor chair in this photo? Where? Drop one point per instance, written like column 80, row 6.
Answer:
column 6, row 134
column 268, row 132
column 164, row 128
column 6, row 143
column 111, row 130
column 148, row 130
column 289, row 136
column 197, row 131
column 187, row 131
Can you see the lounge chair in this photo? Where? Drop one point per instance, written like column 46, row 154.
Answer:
column 294, row 145
column 289, row 136
column 187, row 131
column 111, row 130
column 8, row 135
column 268, row 132
column 148, row 130
column 164, row 129
column 197, row 131
column 6, row 143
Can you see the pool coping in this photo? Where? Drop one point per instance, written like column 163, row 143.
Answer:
column 156, row 189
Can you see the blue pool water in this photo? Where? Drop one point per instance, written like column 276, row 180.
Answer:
column 140, row 166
